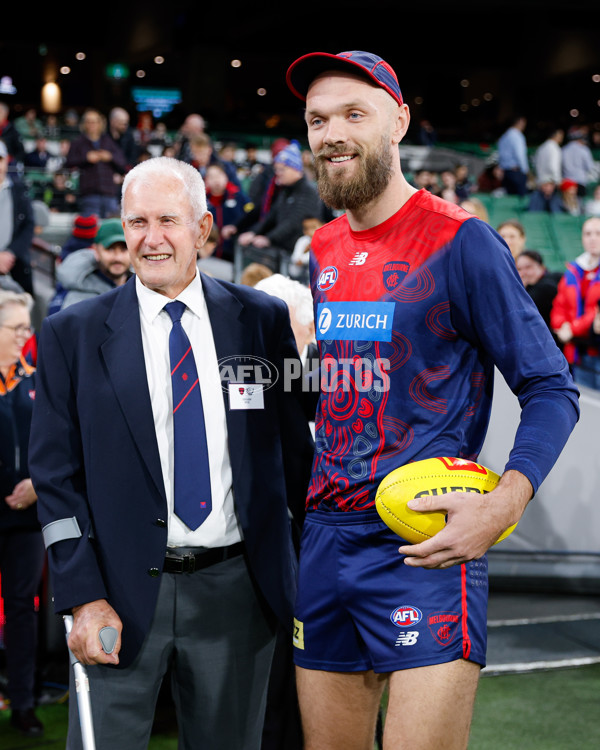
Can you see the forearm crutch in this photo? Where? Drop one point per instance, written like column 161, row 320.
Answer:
column 108, row 637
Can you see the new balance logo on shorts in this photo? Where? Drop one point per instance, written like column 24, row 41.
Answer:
column 407, row 639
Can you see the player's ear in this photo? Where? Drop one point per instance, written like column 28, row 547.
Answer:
column 401, row 123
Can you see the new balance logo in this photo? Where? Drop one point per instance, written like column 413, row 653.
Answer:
column 408, row 638
column 359, row 259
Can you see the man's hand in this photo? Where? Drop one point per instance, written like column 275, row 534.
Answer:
column 261, row 241
column 564, row 333
column 88, row 620
column 474, row 522
column 22, row 496
column 228, row 231
column 246, row 238
column 256, row 240
column 7, row 261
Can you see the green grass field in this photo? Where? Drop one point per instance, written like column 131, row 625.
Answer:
column 552, row 710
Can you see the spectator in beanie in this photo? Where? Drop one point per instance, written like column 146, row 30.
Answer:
column 274, row 236
column 83, row 234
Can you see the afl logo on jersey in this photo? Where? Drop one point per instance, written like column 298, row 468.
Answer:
column 327, row 278
column 394, row 273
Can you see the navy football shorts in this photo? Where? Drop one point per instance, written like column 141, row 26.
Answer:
column 360, row 608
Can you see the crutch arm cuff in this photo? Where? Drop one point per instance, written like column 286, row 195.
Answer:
column 63, row 528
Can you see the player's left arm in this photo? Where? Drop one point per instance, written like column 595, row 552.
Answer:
column 492, row 310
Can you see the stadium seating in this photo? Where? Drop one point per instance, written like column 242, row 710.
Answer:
column 556, row 236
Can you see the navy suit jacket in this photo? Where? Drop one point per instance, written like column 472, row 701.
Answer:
column 94, row 455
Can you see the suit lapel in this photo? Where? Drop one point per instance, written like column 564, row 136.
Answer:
column 124, row 356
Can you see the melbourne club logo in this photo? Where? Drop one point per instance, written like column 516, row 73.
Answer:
column 443, row 626
column 394, row 273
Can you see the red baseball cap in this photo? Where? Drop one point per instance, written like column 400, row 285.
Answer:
column 305, row 69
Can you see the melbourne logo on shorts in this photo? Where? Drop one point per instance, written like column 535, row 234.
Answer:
column 327, row 278
column 406, row 615
column 355, row 321
column 443, row 626
column 393, row 273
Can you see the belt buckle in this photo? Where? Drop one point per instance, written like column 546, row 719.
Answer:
column 190, row 559
column 182, row 563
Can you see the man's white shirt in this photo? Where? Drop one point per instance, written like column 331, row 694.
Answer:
column 221, row 527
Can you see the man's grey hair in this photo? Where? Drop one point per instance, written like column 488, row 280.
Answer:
column 164, row 166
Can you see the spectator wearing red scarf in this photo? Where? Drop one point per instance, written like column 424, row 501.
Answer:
column 228, row 204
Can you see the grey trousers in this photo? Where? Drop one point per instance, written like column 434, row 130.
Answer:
column 210, row 630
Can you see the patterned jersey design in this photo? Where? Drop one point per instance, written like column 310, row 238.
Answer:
column 399, row 381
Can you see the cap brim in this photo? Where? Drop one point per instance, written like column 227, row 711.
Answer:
column 303, row 71
column 112, row 240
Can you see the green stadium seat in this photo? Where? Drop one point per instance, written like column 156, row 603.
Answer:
column 567, row 234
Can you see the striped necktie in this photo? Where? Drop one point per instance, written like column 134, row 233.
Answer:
column 193, row 501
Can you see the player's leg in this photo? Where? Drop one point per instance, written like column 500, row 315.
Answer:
column 430, row 708
column 339, row 709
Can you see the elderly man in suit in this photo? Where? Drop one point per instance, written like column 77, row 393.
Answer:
column 179, row 538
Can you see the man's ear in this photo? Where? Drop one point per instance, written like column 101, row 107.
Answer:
column 205, row 225
column 402, row 121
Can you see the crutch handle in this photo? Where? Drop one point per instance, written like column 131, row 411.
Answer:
column 107, row 635
column 108, row 638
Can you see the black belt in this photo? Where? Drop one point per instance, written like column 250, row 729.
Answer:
column 190, row 562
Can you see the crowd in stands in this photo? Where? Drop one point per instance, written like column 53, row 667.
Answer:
column 266, row 208
column 265, row 205
column 552, row 179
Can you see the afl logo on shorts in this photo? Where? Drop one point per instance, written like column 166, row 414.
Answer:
column 327, row 278
column 406, row 615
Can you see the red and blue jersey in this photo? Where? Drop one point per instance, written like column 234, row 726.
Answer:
column 412, row 316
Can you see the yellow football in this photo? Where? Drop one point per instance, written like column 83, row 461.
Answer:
column 432, row 476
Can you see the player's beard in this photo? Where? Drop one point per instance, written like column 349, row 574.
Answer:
column 352, row 193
